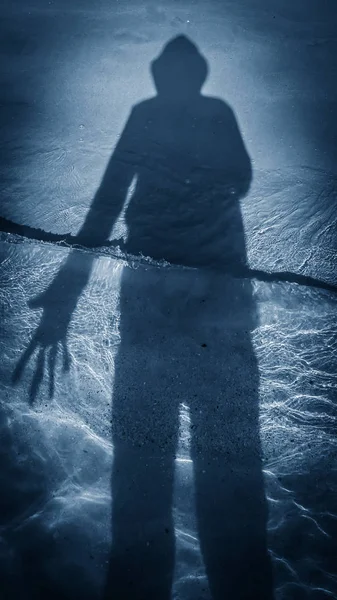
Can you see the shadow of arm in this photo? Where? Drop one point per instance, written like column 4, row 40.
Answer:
column 111, row 194
column 102, row 215
column 239, row 165
column 58, row 302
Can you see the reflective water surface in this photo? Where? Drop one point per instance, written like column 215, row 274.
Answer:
column 166, row 429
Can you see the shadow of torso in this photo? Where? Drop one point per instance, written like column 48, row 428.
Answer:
column 191, row 166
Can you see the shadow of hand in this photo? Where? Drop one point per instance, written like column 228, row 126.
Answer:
column 58, row 303
column 49, row 337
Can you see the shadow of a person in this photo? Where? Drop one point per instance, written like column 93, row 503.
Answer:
column 185, row 338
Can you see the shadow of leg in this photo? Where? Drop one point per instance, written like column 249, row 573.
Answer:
column 142, row 558
column 231, row 514
column 145, row 421
column 230, row 500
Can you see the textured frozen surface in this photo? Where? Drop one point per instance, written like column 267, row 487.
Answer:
column 69, row 79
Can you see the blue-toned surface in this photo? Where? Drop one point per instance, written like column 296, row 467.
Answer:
column 180, row 387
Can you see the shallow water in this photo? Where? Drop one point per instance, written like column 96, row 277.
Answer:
column 64, row 112
column 57, row 454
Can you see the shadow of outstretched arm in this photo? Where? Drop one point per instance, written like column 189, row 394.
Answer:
column 58, row 302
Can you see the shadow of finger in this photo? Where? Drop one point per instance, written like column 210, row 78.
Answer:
column 17, row 373
column 66, row 356
column 38, row 375
column 51, row 369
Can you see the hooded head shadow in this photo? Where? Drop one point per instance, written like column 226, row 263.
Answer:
column 180, row 70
